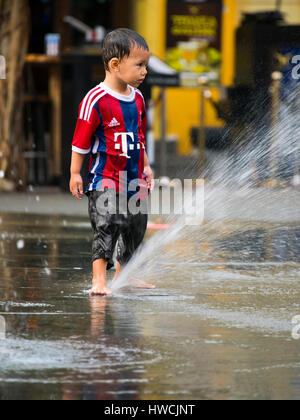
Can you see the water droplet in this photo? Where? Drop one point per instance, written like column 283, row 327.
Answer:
column 47, row 271
column 20, row 244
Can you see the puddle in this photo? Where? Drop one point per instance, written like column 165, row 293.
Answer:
column 218, row 326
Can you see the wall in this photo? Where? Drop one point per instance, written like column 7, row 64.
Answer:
column 183, row 105
column 291, row 8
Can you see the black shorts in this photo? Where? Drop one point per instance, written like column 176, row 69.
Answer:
column 115, row 226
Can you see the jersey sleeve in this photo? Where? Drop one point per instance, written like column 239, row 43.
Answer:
column 143, row 119
column 85, row 129
column 144, row 123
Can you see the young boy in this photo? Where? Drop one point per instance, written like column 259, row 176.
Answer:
column 112, row 128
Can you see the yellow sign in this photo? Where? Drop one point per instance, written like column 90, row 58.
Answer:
column 194, row 38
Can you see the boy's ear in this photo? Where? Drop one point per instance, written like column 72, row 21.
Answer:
column 114, row 64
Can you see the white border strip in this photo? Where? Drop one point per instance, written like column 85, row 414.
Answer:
column 117, row 95
column 81, row 151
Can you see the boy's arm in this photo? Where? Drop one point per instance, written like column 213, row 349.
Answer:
column 149, row 173
column 76, row 184
column 81, row 146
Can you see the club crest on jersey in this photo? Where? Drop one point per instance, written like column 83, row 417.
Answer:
column 127, row 143
column 114, row 123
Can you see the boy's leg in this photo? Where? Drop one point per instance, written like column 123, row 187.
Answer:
column 99, row 279
column 105, row 237
column 118, row 271
column 129, row 241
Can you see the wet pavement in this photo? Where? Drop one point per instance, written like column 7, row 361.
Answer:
column 218, row 326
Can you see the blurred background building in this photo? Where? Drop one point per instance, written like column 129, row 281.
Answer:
column 235, row 44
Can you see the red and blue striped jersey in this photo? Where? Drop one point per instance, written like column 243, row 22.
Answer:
column 112, row 129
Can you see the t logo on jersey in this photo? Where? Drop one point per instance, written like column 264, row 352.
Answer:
column 125, row 144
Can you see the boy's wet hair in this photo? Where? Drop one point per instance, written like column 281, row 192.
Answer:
column 118, row 43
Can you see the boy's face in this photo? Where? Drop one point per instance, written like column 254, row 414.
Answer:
column 133, row 69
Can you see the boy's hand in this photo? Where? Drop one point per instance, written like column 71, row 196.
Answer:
column 149, row 177
column 76, row 186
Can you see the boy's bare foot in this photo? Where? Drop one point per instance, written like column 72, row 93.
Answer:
column 100, row 289
column 141, row 284
column 99, row 279
column 133, row 282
